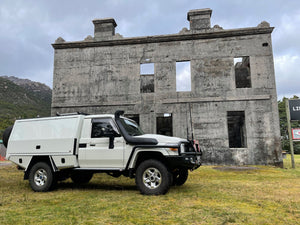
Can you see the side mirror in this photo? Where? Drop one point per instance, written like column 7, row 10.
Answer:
column 111, row 134
column 111, row 142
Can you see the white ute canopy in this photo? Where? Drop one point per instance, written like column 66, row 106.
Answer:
column 49, row 135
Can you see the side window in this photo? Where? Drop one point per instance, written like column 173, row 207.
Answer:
column 103, row 127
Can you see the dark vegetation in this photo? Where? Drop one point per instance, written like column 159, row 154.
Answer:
column 20, row 99
column 283, row 127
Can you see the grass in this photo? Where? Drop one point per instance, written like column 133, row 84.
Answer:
column 266, row 195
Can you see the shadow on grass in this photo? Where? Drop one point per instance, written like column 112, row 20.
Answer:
column 95, row 186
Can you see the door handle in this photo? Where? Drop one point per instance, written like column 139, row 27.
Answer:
column 92, row 144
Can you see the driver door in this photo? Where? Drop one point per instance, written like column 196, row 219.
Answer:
column 97, row 153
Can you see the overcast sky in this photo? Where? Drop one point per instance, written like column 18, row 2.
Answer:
column 29, row 27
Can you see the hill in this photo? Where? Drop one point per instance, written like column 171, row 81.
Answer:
column 22, row 98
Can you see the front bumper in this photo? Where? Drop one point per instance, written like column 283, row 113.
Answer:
column 190, row 160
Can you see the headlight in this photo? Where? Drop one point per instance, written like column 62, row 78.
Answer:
column 182, row 148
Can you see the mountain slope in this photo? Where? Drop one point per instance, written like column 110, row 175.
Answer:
column 39, row 90
column 22, row 98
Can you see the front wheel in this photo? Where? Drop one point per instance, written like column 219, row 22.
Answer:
column 41, row 177
column 153, row 178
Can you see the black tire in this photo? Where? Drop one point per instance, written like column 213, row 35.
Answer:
column 41, row 177
column 180, row 176
column 81, row 177
column 153, row 178
column 6, row 135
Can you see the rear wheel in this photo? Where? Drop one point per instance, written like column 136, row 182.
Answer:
column 153, row 178
column 41, row 177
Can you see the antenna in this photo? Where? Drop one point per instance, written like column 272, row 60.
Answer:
column 191, row 121
column 187, row 124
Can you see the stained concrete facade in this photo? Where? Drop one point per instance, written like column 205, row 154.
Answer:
column 101, row 74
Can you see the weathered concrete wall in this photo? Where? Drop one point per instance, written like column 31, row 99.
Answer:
column 102, row 76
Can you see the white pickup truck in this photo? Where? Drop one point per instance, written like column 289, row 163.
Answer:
column 55, row 148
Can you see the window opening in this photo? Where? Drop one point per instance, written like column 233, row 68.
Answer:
column 147, row 68
column 147, row 78
column 265, row 44
column 242, row 72
column 164, row 125
column 236, row 129
column 183, row 76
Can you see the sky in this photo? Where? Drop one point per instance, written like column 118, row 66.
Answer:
column 29, row 27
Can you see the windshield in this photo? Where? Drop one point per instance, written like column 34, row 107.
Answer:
column 131, row 127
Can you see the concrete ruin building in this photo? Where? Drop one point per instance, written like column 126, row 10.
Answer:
column 224, row 78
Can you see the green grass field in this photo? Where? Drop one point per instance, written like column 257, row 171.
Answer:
column 265, row 195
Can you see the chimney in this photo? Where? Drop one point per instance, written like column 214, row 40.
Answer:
column 104, row 29
column 199, row 19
